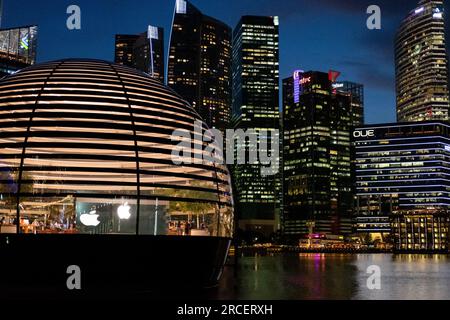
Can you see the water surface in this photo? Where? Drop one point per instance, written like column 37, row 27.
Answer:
column 335, row 276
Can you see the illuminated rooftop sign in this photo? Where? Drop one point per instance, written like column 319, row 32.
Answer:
column 305, row 80
column 438, row 14
column 297, row 78
column 24, row 43
column 333, row 75
column 276, row 20
column 152, row 32
column 363, row 133
column 180, row 7
column 419, row 10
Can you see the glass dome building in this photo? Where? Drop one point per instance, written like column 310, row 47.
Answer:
column 90, row 150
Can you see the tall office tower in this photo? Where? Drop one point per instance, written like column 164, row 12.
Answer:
column 199, row 63
column 317, row 156
column 124, row 49
column 422, row 64
column 148, row 53
column 356, row 91
column 256, row 106
column 144, row 52
column 17, row 49
column 403, row 183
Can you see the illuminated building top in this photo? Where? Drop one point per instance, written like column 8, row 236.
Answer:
column 422, row 64
column 17, row 48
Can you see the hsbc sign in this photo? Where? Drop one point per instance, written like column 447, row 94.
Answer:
column 363, row 133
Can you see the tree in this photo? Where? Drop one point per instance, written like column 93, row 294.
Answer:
column 197, row 202
column 366, row 238
column 9, row 187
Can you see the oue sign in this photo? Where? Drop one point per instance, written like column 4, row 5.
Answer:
column 363, row 133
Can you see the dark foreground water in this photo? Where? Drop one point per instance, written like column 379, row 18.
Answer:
column 335, row 276
column 304, row 277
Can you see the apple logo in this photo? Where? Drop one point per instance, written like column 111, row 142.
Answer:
column 123, row 211
column 90, row 219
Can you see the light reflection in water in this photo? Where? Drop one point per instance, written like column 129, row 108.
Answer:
column 336, row 276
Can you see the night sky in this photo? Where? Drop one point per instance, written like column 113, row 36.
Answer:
column 314, row 34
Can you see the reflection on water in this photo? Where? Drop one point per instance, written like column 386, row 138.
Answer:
column 336, row 276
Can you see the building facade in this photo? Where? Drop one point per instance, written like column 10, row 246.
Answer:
column 17, row 49
column 256, row 106
column 403, row 183
column 199, row 63
column 144, row 51
column 356, row 91
column 94, row 180
column 99, row 160
column 317, row 156
column 421, row 63
column 124, row 44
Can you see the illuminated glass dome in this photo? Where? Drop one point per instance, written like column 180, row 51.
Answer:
column 86, row 147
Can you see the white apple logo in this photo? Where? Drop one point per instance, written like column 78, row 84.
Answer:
column 90, row 219
column 123, row 211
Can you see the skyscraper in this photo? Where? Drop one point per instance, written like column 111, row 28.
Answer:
column 356, row 91
column 256, row 106
column 199, row 63
column 402, row 180
column 317, row 156
column 17, row 48
column 144, row 51
column 124, row 49
column 422, row 64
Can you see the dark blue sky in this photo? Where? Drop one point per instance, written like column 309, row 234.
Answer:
column 314, row 34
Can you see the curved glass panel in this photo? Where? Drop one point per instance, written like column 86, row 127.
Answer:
column 87, row 146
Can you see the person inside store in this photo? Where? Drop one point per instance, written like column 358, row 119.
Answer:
column 187, row 228
column 179, row 228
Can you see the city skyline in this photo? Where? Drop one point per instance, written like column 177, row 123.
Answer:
column 235, row 150
column 362, row 55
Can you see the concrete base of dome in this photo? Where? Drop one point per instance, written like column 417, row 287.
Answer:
column 38, row 263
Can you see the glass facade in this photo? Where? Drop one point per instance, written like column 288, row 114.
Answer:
column 421, row 63
column 256, row 106
column 144, row 52
column 86, row 147
column 356, row 91
column 124, row 44
column 149, row 53
column 199, row 63
column 17, row 49
column 317, row 156
column 403, row 183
